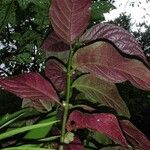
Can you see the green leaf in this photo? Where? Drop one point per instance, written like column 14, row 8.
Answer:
column 26, row 148
column 98, row 90
column 41, row 3
column 49, row 138
column 11, row 121
column 7, row 14
column 23, row 3
column 24, row 129
column 101, row 138
column 43, row 131
column 99, row 8
column 24, row 58
column 9, row 118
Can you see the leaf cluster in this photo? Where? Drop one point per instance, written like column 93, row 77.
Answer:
column 75, row 103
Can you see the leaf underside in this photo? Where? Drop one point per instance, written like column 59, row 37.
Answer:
column 101, row 91
column 30, row 86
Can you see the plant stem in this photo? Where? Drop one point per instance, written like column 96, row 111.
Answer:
column 66, row 103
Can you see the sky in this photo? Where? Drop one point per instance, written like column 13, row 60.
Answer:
column 138, row 14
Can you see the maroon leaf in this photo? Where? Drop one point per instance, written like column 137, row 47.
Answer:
column 31, row 86
column 56, row 72
column 54, row 43
column 69, row 18
column 104, row 61
column 119, row 36
column 75, row 145
column 104, row 123
column 134, row 136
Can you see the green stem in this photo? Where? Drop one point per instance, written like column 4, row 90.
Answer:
column 66, row 103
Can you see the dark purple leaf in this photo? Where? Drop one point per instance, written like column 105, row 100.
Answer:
column 75, row 145
column 134, row 136
column 54, row 43
column 119, row 36
column 30, row 86
column 104, row 123
column 56, row 72
column 69, row 18
column 104, row 61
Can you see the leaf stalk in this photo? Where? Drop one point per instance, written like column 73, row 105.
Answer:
column 68, row 95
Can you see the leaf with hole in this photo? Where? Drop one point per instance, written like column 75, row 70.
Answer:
column 102, row 122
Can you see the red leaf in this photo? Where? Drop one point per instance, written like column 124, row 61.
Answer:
column 69, row 18
column 56, row 72
column 119, row 36
column 30, row 86
column 75, row 145
column 104, row 61
column 104, row 123
column 134, row 136
column 54, row 43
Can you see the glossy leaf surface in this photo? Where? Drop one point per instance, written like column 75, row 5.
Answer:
column 104, row 61
column 101, row 91
column 54, row 43
column 31, row 86
column 119, row 36
column 104, row 123
column 134, row 136
column 56, row 72
column 69, row 18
